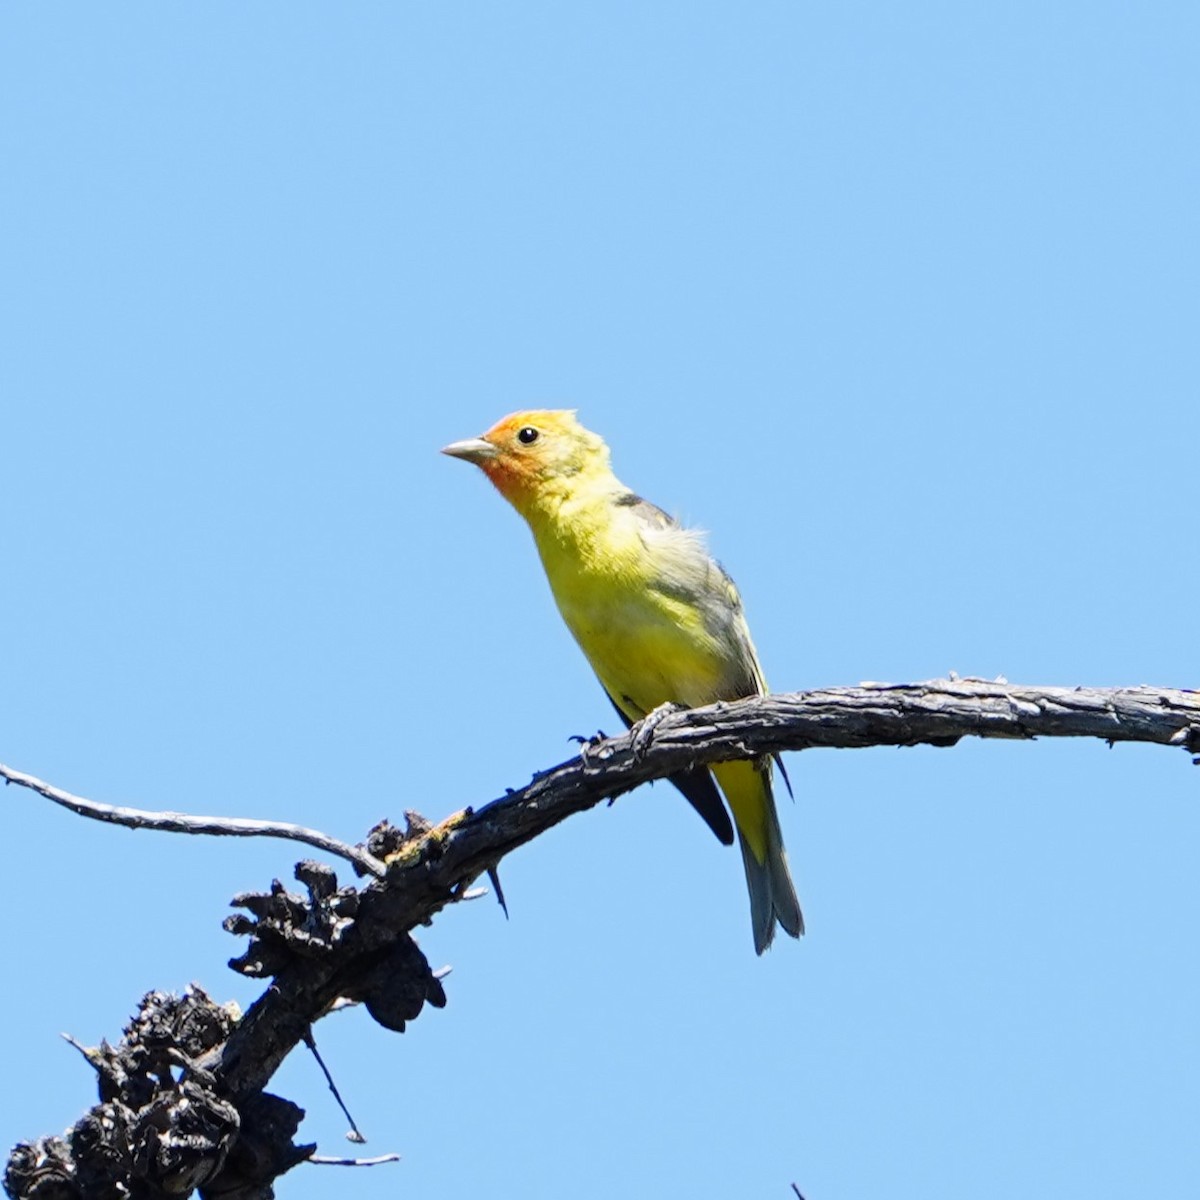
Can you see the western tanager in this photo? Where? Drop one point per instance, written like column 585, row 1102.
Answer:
column 657, row 617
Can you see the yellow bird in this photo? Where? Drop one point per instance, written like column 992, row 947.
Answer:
column 656, row 616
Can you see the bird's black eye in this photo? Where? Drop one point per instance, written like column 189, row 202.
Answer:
column 527, row 435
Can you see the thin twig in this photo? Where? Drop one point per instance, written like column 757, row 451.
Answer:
column 494, row 875
column 355, row 1134
column 173, row 822
column 88, row 1052
column 323, row 1160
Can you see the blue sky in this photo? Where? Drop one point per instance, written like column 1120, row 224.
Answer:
column 898, row 302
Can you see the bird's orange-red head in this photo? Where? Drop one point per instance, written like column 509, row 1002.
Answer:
column 534, row 453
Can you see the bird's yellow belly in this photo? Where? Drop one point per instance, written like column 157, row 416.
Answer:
column 647, row 650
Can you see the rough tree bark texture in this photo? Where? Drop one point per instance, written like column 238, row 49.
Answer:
column 182, row 1100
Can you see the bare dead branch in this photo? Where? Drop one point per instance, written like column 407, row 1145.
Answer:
column 429, row 870
column 173, row 822
column 339, row 943
column 936, row 713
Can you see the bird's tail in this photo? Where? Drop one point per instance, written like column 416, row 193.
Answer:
column 747, row 787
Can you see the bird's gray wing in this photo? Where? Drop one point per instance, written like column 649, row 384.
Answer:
column 649, row 513
column 692, row 575
column 722, row 606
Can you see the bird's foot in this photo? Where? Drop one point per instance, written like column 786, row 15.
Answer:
column 582, row 739
column 586, row 743
column 643, row 731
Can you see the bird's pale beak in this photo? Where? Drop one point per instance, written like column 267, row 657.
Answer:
column 474, row 450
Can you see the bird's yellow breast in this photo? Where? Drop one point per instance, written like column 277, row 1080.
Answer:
column 647, row 645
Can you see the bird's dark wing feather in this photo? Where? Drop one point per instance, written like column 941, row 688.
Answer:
column 645, row 511
column 699, row 790
column 701, row 793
